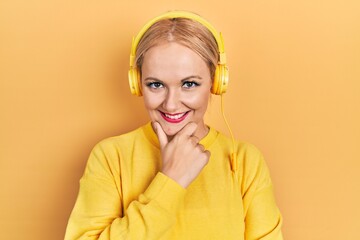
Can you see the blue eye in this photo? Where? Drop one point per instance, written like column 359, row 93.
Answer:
column 154, row 85
column 190, row 84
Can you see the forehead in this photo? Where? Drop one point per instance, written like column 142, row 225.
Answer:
column 173, row 60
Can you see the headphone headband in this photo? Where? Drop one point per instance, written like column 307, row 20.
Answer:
column 221, row 75
column 178, row 14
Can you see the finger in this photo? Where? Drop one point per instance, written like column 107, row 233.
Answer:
column 208, row 153
column 201, row 147
column 188, row 130
column 194, row 139
column 163, row 140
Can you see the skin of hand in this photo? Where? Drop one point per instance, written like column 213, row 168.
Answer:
column 183, row 158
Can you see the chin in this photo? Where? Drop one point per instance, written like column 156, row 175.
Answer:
column 171, row 129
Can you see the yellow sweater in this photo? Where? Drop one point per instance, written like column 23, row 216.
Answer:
column 123, row 194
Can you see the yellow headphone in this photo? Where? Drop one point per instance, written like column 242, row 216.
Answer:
column 221, row 78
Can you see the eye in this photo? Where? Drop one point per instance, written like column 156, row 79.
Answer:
column 154, row 85
column 190, row 84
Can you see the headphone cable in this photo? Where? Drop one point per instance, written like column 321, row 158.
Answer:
column 233, row 162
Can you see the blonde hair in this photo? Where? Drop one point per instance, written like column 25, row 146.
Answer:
column 184, row 31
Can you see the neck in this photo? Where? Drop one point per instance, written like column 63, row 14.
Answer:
column 201, row 131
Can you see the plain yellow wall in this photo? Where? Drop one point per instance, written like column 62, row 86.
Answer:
column 294, row 92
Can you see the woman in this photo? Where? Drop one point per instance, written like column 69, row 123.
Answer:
column 176, row 177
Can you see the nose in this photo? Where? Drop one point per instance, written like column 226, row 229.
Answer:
column 172, row 101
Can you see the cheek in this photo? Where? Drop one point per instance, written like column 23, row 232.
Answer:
column 151, row 101
column 198, row 101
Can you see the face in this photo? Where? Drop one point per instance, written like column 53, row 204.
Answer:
column 176, row 87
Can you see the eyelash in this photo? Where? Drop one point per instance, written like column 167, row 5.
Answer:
column 152, row 85
column 157, row 85
column 193, row 84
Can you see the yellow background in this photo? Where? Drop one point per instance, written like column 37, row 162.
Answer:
column 294, row 93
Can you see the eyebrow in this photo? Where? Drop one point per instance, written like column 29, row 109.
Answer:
column 182, row 80
column 190, row 77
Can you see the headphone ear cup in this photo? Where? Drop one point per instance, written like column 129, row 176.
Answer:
column 221, row 80
column 134, row 81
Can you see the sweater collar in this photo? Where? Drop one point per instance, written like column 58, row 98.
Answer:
column 152, row 137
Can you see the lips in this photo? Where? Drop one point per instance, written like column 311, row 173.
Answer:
column 174, row 118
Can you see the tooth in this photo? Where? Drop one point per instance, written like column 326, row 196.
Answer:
column 174, row 116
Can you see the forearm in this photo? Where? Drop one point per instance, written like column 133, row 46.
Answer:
column 148, row 217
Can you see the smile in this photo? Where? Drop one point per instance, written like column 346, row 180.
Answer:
column 174, row 118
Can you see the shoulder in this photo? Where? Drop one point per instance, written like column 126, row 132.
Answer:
column 125, row 145
column 249, row 161
column 247, row 151
column 244, row 150
column 119, row 140
column 253, row 169
column 106, row 157
column 109, row 150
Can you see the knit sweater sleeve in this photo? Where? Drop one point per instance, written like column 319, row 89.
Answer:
column 263, row 219
column 99, row 214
